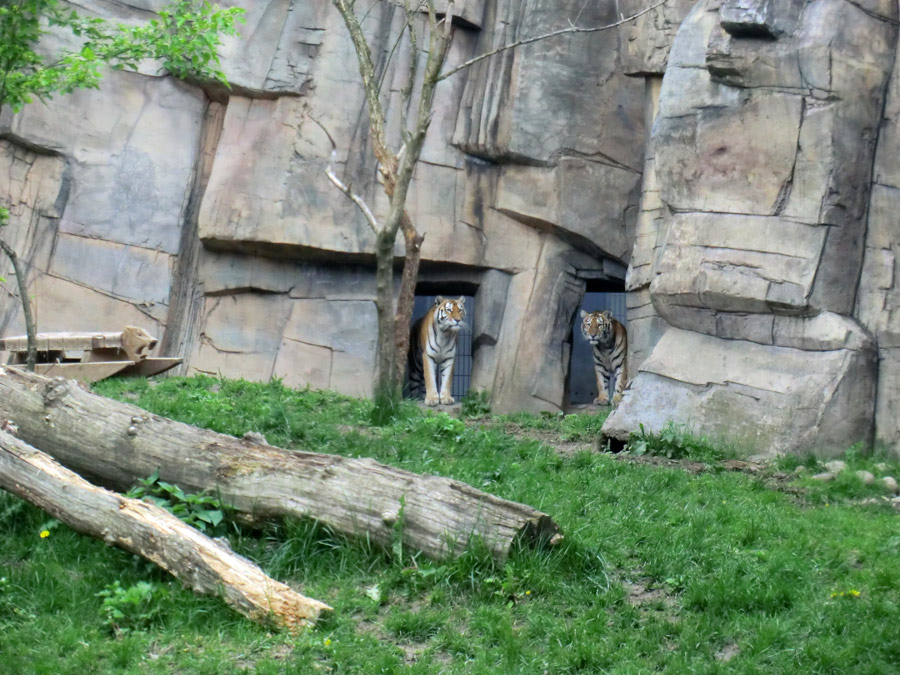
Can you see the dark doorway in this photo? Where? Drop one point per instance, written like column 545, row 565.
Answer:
column 462, row 370
column 582, row 381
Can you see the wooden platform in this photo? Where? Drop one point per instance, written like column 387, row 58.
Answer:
column 90, row 357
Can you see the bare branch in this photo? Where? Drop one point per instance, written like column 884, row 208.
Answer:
column 448, row 20
column 562, row 31
column 352, row 196
column 28, row 314
column 406, row 94
column 343, row 187
column 370, row 84
column 409, row 14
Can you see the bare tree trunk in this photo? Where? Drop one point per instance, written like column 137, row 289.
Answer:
column 119, row 443
column 30, row 324
column 413, row 243
column 397, row 170
column 387, row 396
column 139, row 527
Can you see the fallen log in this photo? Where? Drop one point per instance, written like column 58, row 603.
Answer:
column 203, row 564
column 117, row 444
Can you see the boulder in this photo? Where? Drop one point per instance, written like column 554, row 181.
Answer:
column 765, row 191
column 758, row 398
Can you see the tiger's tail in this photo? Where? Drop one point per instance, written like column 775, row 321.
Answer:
column 415, row 369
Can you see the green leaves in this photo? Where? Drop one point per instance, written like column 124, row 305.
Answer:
column 674, row 442
column 205, row 512
column 132, row 608
column 187, row 35
column 185, row 38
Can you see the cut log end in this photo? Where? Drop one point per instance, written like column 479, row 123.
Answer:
column 540, row 532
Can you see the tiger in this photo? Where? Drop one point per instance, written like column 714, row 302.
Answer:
column 432, row 348
column 609, row 342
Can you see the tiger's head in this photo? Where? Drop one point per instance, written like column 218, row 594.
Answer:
column 597, row 327
column 449, row 314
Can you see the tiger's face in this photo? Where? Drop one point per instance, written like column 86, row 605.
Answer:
column 449, row 314
column 597, row 327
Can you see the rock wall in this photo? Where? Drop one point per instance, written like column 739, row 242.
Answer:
column 207, row 217
column 762, row 152
column 736, row 157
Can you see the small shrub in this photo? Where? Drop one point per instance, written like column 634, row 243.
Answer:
column 205, row 512
column 674, row 441
column 438, row 426
column 476, row 404
column 132, row 608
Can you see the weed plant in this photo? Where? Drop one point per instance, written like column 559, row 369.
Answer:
column 476, row 404
column 675, row 441
column 661, row 569
column 204, row 512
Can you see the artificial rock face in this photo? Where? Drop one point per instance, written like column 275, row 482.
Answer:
column 208, row 219
column 760, row 248
column 763, row 150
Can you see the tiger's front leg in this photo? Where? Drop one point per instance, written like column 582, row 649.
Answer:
column 431, row 391
column 447, row 382
column 620, row 376
column 602, row 375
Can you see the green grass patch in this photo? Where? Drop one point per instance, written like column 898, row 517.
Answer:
column 582, row 427
column 675, row 441
column 661, row 569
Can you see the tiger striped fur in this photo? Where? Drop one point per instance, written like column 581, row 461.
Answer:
column 432, row 349
column 609, row 343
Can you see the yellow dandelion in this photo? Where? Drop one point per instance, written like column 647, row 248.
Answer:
column 45, row 534
column 854, row 592
column 527, row 592
column 327, row 641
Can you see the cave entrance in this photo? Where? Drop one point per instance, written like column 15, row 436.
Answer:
column 425, row 295
column 600, row 295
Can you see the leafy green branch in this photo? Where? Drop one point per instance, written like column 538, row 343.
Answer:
column 185, row 37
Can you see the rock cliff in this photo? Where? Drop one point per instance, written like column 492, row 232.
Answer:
column 763, row 146
column 731, row 164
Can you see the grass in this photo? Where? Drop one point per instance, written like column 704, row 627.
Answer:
column 662, row 569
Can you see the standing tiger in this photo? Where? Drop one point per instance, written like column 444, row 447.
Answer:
column 432, row 348
column 609, row 342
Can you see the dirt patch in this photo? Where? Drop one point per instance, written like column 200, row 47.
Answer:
column 365, row 431
column 642, row 592
column 547, row 437
column 728, row 652
column 651, row 599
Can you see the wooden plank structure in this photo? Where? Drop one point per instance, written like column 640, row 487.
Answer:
column 90, row 357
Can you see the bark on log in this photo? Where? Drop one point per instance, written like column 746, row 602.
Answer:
column 139, row 527
column 117, row 444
